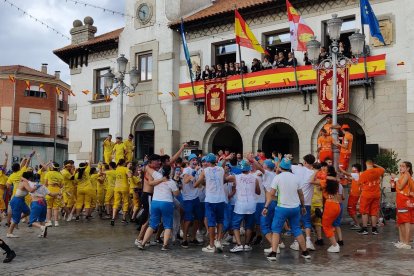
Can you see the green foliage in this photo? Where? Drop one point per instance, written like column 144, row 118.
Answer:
column 388, row 160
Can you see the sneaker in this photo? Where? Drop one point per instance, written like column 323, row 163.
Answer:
column 43, row 232
column 405, row 246
column 237, row 248
column 305, row 254
column 218, row 246
column 363, row 231
column 282, row 245
column 334, row 249
column 195, row 242
column 69, row 218
column 165, row 248
column 11, row 236
column 309, row 245
column 295, row 246
column 140, row 246
column 341, row 243
column 48, row 224
column 137, row 242
column 56, row 224
column 9, row 257
column 267, row 250
column 375, row 232
column 184, row 244
column 272, row 256
column 248, row 248
column 319, row 242
column 208, row 249
column 355, row 227
column 112, row 222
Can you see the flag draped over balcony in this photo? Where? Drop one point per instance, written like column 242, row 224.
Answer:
column 244, row 36
column 300, row 33
column 368, row 18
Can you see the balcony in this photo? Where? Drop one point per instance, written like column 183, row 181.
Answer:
column 35, row 128
column 61, row 131
column 62, row 106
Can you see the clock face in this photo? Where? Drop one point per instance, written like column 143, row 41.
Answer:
column 144, row 13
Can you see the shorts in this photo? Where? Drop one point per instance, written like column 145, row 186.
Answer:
column 258, row 213
column 215, row 213
column 18, row 206
column 292, row 215
column 403, row 212
column 109, row 196
column 344, row 160
column 161, row 210
column 266, row 221
column 146, row 207
column 228, row 217
column 337, row 222
column 316, row 221
column 369, row 206
column 56, row 201
column 352, row 205
column 192, row 210
column 249, row 221
column 306, row 220
column 69, row 198
column 38, row 211
column 325, row 154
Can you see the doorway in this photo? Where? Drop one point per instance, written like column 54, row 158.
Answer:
column 282, row 138
column 228, row 138
column 144, row 138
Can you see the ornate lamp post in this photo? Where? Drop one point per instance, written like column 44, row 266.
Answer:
column 334, row 61
column 110, row 79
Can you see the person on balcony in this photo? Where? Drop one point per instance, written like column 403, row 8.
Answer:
column 206, row 73
column 323, row 54
column 280, row 61
column 243, row 67
column 266, row 63
column 256, row 65
column 220, row 72
column 292, row 61
column 198, row 73
column 213, row 72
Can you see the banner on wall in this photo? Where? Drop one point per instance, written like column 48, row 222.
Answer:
column 215, row 101
column 325, row 90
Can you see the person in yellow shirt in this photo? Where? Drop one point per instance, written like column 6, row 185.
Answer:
column 94, row 185
column 3, row 181
column 54, row 183
column 68, row 174
column 119, row 150
column 121, row 191
column 135, row 185
column 110, row 176
column 130, row 147
column 101, row 190
column 84, row 186
column 108, row 147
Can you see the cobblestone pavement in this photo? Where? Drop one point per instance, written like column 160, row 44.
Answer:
column 96, row 248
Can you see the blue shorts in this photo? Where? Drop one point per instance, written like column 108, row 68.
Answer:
column 18, row 206
column 192, row 210
column 228, row 217
column 337, row 222
column 180, row 199
column 290, row 214
column 248, row 221
column 258, row 213
column 266, row 221
column 38, row 211
column 203, row 209
column 306, row 219
column 215, row 213
column 164, row 210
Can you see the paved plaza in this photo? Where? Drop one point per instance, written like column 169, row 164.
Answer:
column 96, row 248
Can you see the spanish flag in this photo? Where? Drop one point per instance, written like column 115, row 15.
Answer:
column 244, row 36
column 27, row 85
column 86, row 91
column 58, row 91
column 12, row 78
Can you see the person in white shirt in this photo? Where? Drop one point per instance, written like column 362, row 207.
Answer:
column 213, row 178
column 306, row 174
column 290, row 206
column 162, row 207
column 191, row 202
column 247, row 187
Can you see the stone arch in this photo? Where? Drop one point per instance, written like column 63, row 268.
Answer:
column 212, row 132
column 143, row 128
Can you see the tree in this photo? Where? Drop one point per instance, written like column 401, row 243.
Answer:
column 388, row 160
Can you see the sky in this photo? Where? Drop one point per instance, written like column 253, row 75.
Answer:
column 23, row 41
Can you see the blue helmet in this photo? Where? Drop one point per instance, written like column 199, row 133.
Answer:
column 245, row 166
column 269, row 163
column 191, row 156
column 211, row 158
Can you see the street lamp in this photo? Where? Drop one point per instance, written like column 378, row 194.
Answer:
column 110, row 79
column 333, row 61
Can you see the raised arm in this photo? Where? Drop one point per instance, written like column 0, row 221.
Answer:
column 6, row 158
column 178, row 153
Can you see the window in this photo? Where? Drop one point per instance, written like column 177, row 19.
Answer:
column 35, row 91
column 60, row 127
column 99, row 135
column 99, row 92
column 35, row 118
column 35, row 123
column 225, row 53
column 348, row 28
column 144, row 62
column 276, row 42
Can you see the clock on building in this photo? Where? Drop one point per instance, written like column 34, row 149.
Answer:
column 144, row 13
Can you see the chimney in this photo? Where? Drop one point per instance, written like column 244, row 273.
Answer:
column 44, row 68
column 57, row 75
column 82, row 33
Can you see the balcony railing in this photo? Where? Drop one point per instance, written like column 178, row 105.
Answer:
column 61, row 131
column 35, row 128
column 62, row 106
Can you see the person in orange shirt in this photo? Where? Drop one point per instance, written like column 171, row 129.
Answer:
column 354, row 193
column 404, row 186
column 345, row 147
column 324, row 146
column 328, row 124
column 370, row 181
column 331, row 212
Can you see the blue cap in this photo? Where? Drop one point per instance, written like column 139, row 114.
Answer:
column 211, row 158
column 203, row 159
column 269, row 163
column 191, row 156
column 285, row 164
column 245, row 166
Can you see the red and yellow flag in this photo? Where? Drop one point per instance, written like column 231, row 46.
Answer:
column 71, row 93
column 300, row 33
column 12, row 78
column 244, row 36
column 58, row 91
column 27, row 85
column 41, row 86
column 86, row 91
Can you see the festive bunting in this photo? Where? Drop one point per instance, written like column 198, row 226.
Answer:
column 58, row 92
column 86, row 92
column 115, row 93
column 107, row 98
column 12, row 78
column 27, row 85
column 172, row 94
column 41, row 86
column 71, row 93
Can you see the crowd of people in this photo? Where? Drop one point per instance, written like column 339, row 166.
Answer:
column 242, row 199
column 282, row 59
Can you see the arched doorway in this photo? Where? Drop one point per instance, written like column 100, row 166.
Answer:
column 280, row 137
column 227, row 138
column 359, row 141
column 144, row 137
